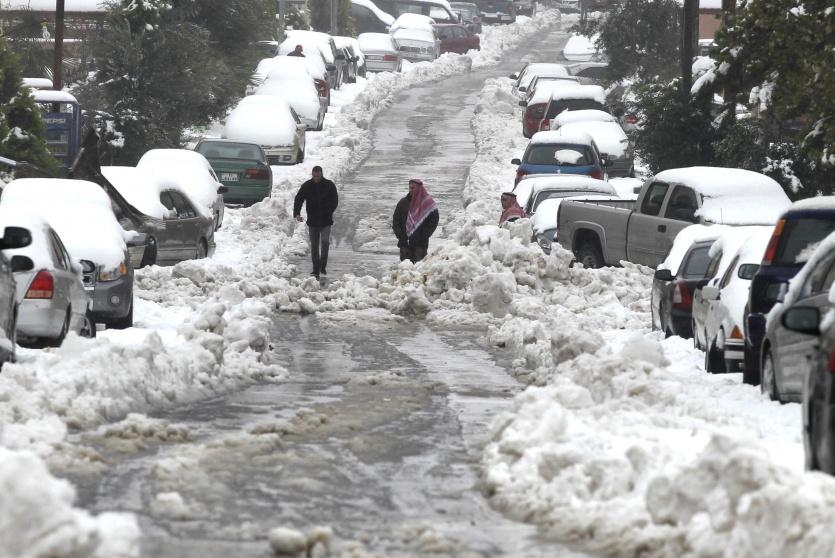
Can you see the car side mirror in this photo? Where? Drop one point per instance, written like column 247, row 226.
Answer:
column 802, row 319
column 15, row 237
column 516, row 161
column 710, row 292
column 87, row 266
column 747, row 271
column 222, row 189
column 22, row 263
column 523, row 104
column 663, row 274
column 138, row 239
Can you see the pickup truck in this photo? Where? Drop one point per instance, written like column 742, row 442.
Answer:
column 642, row 231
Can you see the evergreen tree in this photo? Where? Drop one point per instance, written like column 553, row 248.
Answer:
column 320, row 17
column 22, row 129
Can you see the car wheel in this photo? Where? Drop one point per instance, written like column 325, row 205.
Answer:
column 714, row 360
column 750, row 372
column 769, row 381
column 809, row 445
column 150, row 255
column 300, row 156
column 589, row 255
column 65, row 327
column 202, row 249
column 89, row 328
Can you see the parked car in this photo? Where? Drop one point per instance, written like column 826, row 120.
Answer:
column 470, row 15
column 567, row 6
column 574, row 97
column 191, row 172
column 271, row 123
column 724, row 298
column 558, row 152
column 579, row 48
column 536, row 105
column 368, row 18
column 283, row 68
column 457, row 38
column 241, row 167
column 381, row 54
column 789, row 352
column 529, row 71
column 80, row 213
column 52, row 298
column 187, row 232
column 591, row 72
column 536, row 188
column 439, row 10
column 497, row 11
column 356, row 65
column 13, row 238
column 525, row 7
column 805, row 224
column 539, row 81
column 677, row 278
column 612, row 142
column 415, row 37
column 310, row 40
column 642, row 231
column 300, row 94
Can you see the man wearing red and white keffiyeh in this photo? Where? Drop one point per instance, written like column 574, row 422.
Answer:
column 415, row 219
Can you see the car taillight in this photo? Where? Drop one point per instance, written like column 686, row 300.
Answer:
column 736, row 333
column 520, row 174
column 681, row 297
column 545, row 125
column 389, row 57
column 597, row 173
column 42, row 285
column 771, row 250
column 631, row 119
column 832, row 361
column 256, row 173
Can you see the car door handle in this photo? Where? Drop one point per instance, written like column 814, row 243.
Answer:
column 662, row 228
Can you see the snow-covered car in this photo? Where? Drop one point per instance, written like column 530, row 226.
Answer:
column 13, row 238
column 543, row 81
column 559, row 152
column 529, row 71
column 381, row 54
column 241, row 166
column 536, row 188
column 574, row 97
column 313, row 41
column 192, row 173
column 353, row 47
column 300, row 94
column 81, row 213
column 51, row 295
column 271, row 123
column 579, row 48
column 416, row 38
column 368, row 18
column 470, row 15
column 544, row 222
column 296, row 67
column 586, row 115
column 591, row 73
column 725, row 299
column 536, row 104
column 612, row 142
column 187, row 232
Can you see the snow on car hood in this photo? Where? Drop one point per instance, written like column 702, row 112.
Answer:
column 299, row 93
column 417, row 35
column 140, row 188
column 262, row 119
column 376, row 42
column 191, row 172
column 609, row 136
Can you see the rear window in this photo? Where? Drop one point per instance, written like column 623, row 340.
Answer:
column 556, row 107
column 799, row 239
column 229, row 150
column 546, row 154
column 695, row 266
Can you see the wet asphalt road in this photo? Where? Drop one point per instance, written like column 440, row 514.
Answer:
column 378, row 428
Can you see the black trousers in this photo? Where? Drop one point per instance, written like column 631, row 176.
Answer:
column 414, row 253
column 320, row 242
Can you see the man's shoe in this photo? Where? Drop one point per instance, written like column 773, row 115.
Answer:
column 314, row 274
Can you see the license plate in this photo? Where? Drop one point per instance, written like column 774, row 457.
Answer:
column 229, row 177
column 373, row 57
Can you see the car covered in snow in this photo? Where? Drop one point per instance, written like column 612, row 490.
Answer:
column 51, row 294
column 575, row 97
column 416, row 38
column 718, row 306
column 559, row 152
column 314, row 42
column 612, row 142
column 241, row 167
column 192, row 173
column 80, row 213
column 352, row 49
column 380, row 51
column 271, row 123
column 536, row 188
column 284, row 68
column 536, row 104
column 187, row 232
column 300, row 94
column 13, row 238
column 579, row 48
column 524, row 76
column 470, row 15
column 369, row 18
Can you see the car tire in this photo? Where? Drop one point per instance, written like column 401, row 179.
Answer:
column 714, row 360
column 65, row 328
column 768, row 384
column 150, row 255
column 300, row 156
column 750, row 371
column 123, row 323
column 89, row 328
column 202, row 249
column 589, row 255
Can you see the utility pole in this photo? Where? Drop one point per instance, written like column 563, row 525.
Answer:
column 58, row 55
column 689, row 40
column 282, row 19
column 334, row 5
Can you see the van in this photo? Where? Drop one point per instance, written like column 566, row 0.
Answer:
column 439, row 10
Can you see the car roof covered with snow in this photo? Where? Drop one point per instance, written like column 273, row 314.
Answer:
column 533, row 183
column 189, row 169
column 579, row 91
column 544, row 90
column 376, row 42
column 261, row 119
column 141, row 188
column 545, row 217
column 609, row 136
column 385, row 17
column 585, row 115
column 411, row 21
column 685, row 238
column 561, row 137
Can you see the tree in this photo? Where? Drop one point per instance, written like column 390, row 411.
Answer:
column 22, row 129
column 320, row 16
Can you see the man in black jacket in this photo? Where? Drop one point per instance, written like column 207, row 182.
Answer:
column 321, row 198
column 415, row 219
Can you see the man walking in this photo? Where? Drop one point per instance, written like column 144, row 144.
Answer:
column 415, row 219
column 321, row 198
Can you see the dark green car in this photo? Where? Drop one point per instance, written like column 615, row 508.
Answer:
column 241, row 167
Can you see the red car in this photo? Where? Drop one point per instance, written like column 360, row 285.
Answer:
column 456, row 38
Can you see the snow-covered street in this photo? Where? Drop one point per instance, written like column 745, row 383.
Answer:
column 490, row 400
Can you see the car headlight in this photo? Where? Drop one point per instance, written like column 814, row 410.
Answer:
column 112, row 274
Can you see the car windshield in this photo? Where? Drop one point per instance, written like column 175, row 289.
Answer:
column 560, row 155
column 799, row 239
column 556, row 107
column 695, row 266
column 230, row 150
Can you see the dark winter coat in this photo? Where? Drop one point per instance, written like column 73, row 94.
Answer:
column 321, row 200
column 421, row 236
